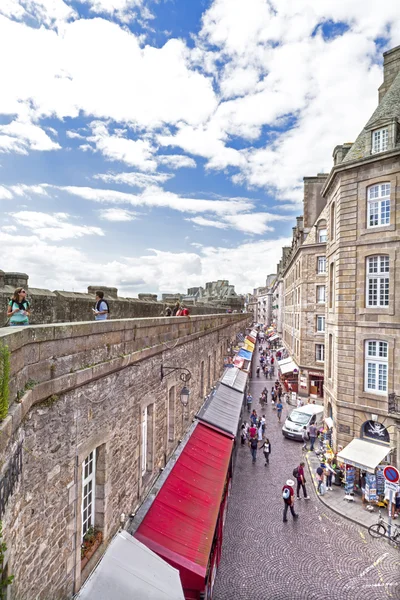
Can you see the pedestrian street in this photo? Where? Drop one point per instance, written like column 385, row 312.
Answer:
column 319, row 556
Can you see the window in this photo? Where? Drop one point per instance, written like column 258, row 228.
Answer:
column 319, row 352
column 330, row 357
column 333, row 221
column 378, row 281
column 379, row 205
column 88, row 491
column 321, row 294
column 376, row 366
column 331, row 285
column 321, row 324
column 144, row 441
column 380, row 139
column 202, row 379
column 171, row 414
column 322, row 235
column 321, row 264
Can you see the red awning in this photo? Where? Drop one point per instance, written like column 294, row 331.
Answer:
column 180, row 523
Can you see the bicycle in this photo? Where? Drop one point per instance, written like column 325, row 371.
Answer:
column 380, row 529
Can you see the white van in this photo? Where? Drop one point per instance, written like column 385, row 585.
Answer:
column 310, row 414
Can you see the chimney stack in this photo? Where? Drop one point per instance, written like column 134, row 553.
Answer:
column 391, row 66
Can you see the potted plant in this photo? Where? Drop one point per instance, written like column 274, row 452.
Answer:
column 91, row 541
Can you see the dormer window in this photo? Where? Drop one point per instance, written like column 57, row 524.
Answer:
column 380, row 139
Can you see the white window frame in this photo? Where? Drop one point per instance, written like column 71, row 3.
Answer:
column 376, row 366
column 380, row 140
column 321, row 298
column 321, row 319
column 321, row 261
column 377, row 281
column 320, row 353
column 378, row 202
column 144, row 440
column 88, row 491
column 322, row 235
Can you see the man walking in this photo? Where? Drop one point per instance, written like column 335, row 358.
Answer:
column 253, row 443
column 301, row 481
column 288, row 499
column 279, row 408
column 312, row 432
column 304, row 436
column 101, row 310
column 249, row 400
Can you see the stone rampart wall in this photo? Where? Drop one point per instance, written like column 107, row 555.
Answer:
column 86, row 387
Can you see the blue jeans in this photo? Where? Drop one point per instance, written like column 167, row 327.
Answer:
column 312, row 442
column 254, row 453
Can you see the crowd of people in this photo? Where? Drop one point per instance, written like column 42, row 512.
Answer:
column 19, row 309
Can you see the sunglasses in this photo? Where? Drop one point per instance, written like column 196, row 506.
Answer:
column 22, row 292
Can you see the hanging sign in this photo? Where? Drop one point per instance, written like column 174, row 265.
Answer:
column 391, row 474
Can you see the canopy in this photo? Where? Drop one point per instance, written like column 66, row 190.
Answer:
column 280, row 349
column 222, row 410
column 235, row 378
column 251, row 339
column 245, row 354
column 248, row 345
column 238, row 362
column 363, row 455
column 253, row 333
column 180, row 524
column 274, row 337
column 287, row 365
column 130, row 570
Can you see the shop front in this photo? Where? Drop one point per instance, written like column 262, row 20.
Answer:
column 289, row 372
column 316, row 384
column 184, row 523
column 365, row 458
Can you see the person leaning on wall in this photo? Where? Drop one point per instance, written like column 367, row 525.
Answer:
column 18, row 309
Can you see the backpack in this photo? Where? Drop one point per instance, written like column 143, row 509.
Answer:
column 105, row 302
column 286, row 494
column 296, row 472
column 253, row 443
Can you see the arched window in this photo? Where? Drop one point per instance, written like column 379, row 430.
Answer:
column 376, row 367
column 378, row 205
column 377, row 281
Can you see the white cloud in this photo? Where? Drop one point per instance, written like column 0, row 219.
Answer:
column 141, row 180
column 64, row 267
column 207, row 222
column 9, row 228
column 176, row 161
column 74, row 135
column 22, row 135
column 118, row 214
column 126, row 10
column 54, row 227
column 137, row 153
column 155, row 196
column 22, row 189
column 5, row 194
column 48, row 12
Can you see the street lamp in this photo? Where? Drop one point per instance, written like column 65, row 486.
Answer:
column 184, row 376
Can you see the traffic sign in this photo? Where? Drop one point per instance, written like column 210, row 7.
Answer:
column 391, row 486
column 391, row 474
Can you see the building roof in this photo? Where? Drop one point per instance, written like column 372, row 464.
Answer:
column 181, row 521
column 388, row 109
column 223, row 409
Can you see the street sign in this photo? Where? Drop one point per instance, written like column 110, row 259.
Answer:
column 391, row 474
column 391, row 486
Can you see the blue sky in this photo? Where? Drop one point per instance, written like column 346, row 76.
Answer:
column 156, row 145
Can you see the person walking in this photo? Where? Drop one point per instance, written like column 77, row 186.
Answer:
column 266, row 448
column 249, row 401
column 279, row 408
column 243, row 434
column 301, row 481
column 320, row 478
column 260, row 433
column 101, row 309
column 312, row 432
column 253, row 443
column 258, row 371
column 253, row 417
column 18, row 309
column 329, row 474
column 304, row 436
column 288, row 499
column 176, row 308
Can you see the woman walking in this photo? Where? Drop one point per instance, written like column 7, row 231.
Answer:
column 266, row 448
column 18, row 309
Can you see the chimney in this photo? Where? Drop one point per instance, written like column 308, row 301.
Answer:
column 391, row 66
column 340, row 152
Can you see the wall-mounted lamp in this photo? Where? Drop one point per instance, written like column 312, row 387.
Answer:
column 185, row 376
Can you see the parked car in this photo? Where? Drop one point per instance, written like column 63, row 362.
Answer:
column 304, row 416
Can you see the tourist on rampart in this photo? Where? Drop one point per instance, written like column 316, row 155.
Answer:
column 101, row 310
column 176, row 308
column 168, row 311
column 18, row 309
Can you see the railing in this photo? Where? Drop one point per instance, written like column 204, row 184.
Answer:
column 394, row 403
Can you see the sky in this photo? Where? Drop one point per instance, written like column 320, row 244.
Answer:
column 154, row 145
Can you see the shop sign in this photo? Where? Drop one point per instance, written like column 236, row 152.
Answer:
column 303, row 382
column 375, row 431
column 344, row 428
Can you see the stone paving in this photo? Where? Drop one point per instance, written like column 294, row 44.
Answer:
column 321, row 556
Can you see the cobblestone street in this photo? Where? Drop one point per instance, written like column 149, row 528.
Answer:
column 321, row 556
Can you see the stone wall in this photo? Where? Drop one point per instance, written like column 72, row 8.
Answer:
column 66, row 307
column 85, row 387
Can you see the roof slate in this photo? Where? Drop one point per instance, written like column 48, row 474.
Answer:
column 389, row 108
